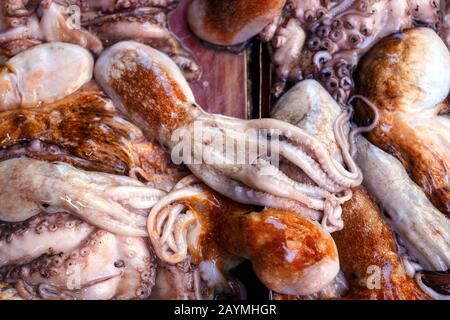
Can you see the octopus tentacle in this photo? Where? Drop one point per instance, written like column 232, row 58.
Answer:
column 135, row 14
column 243, row 194
column 21, row 36
column 218, row 236
column 167, row 226
column 47, row 234
column 309, row 165
column 66, row 272
column 135, row 197
column 288, row 42
column 360, row 130
column 186, row 182
column 47, row 291
column 145, row 22
column 313, row 146
column 347, row 148
column 348, row 27
column 139, row 266
column 111, row 6
column 411, row 128
column 255, row 176
column 93, row 25
column 332, row 215
column 105, row 205
column 16, row 13
column 56, row 25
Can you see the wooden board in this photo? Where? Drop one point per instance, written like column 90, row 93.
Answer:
column 223, row 87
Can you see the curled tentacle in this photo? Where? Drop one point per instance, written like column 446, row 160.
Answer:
column 168, row 223
column 46, row 234
column 411, row 125
column 366, row 129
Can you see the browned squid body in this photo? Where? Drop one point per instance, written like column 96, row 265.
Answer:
column 92, row 24
column 313, row 38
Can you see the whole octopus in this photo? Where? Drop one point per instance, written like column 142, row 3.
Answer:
column 320, row 39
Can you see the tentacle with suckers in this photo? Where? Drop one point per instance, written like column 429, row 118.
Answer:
column 103, row 266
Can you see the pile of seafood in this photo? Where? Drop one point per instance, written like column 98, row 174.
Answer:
column 101, row 199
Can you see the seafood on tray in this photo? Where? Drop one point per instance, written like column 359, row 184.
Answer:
column 116, row 184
